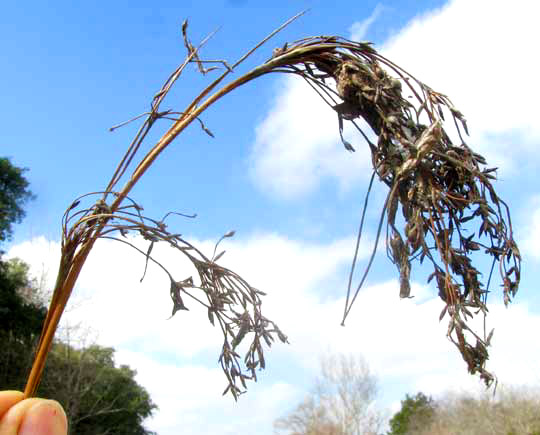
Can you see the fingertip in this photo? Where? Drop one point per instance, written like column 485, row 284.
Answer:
column 32, row 417
column 46, row 417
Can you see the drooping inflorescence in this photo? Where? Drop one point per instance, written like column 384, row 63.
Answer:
column 443, row 189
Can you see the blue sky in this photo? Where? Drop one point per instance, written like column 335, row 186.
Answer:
column 277, row 173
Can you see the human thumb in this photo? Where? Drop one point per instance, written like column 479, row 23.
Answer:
column 46, row 417
column 33, row 417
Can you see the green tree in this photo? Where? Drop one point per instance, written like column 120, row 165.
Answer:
column 416, row 412
column 99, row 398
column 20, row 324
column 20, row 318
column 14, row 193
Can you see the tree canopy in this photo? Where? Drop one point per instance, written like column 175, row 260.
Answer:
column 416, row 411
column 98, row 396
column 17, row 315
column 14, row 193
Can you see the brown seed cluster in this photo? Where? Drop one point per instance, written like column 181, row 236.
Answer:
column 449, row 208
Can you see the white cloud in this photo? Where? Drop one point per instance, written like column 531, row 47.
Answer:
column 481, row 54
column 44, row 257
column 530, row 235
column 298, row 144
column 176, row 359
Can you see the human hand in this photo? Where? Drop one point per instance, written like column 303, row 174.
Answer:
column 30, row 416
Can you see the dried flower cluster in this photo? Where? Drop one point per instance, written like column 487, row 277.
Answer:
column 219, row 289
column 443, row 189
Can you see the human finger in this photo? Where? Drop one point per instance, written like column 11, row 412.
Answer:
column 34, row 417
column 9, row 399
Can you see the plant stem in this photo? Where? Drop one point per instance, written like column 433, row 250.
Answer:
column 61, row 295
column 69, row 270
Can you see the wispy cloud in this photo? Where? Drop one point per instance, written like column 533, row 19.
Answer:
column 360, row 29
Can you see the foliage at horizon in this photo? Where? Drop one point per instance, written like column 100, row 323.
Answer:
column 511, row 411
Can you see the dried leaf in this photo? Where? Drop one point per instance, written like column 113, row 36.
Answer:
column 219, row 256
column 208, row 132
column 443, row 312
column 490, row 336
column 150, row 247
column 178, row 303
